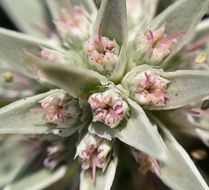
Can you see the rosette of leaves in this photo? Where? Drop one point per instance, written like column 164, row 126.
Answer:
column 110, row 81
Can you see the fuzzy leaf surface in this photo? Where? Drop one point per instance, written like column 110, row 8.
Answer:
column 76, row 81
column 113, row 20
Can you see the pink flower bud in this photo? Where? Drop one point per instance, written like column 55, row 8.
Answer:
column 150, row 89
column 155, row 46
column 94, row 152
column 74, row 24
column 108, row 107
column 59, row 110
column 102, row 53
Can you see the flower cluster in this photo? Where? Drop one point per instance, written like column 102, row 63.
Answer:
column 150, row 89
column 94, row 152
column 155, row 46
column 108, row 107
column 59, row 110
column 102, row 53
column 73, row 24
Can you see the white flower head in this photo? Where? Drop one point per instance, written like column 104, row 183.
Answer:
column 94, row 152
column 155, row 46
column 150, row 89
column 102, row 53
column 108, row 107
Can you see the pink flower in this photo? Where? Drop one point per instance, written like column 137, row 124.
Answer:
column 73, row 24
column 155, row 46
column 108, row 107
column 94, row 152
column 150, row 89
column 59, row 110
column 102, row 53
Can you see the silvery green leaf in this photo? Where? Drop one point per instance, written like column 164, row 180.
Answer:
column 104, row 179
column 27, row 15
column 13, row 147
column 76, row 81
column 17, row 117
column 13, row 50
column 38, row 180
column 181, row 16
column 185, row 87
column 137, row 132
column 112, row 20
column 179, row 172
column 119, row 70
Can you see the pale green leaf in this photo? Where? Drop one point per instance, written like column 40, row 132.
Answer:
column 38, row 181
column 113, row 20
column 104, row 179
column 181, row 16
column 119, row 70
column 29, row 15
column 137, row 132
column 76, row 81
column 179, row 172
column 14, row 47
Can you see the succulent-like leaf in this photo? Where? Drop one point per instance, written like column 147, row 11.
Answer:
column 76, row 81
column 181, row 16
column 10, row 167
column 137, row 132
column 14, row 47
column 38, row 180
column 104, row 179
column 18, row 118
column 185, row 87
column 112, row 20
column 27, row 15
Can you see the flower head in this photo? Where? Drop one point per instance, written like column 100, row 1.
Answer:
column 155, row 46
column 102, row 53
column 60, row 110
column 94, row 152
column 150, row 89
column 73, row 24
column 108, row 107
